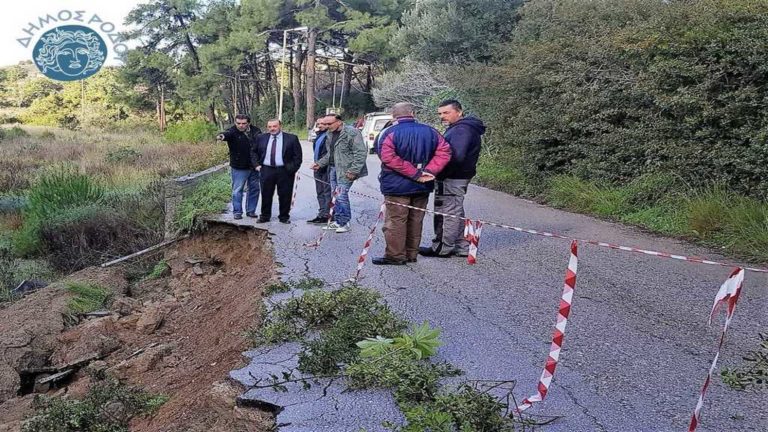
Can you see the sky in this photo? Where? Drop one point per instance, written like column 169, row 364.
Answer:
column 14, row 20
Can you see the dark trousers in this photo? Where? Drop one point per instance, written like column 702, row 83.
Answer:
column 323, row 189
column 276, row 178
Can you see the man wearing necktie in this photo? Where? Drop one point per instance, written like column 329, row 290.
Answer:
column 277, row 155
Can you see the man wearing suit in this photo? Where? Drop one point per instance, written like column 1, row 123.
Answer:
column 277, row 155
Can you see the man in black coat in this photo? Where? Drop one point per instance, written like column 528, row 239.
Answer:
column 277, row 155
column 241, row 139
column 464, row 135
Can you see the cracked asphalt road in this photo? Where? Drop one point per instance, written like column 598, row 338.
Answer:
column 637, row 346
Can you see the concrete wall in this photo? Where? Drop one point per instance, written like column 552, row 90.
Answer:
column 174, row 190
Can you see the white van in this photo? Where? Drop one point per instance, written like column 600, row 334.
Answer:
column 374, row 123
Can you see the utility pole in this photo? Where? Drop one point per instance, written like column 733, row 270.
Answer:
column 310, row 72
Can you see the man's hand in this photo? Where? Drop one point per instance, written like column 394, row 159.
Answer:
column 258, row 168
column 220, row 137
column 315, row 166
column 425, row 177
column 351, row 176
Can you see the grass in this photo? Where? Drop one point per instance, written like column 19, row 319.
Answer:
column 159, row 270
column 736, row 224
column 86, row 298
column 107, row 407
column 209, row 197
column 753, row 374
column 116, row 158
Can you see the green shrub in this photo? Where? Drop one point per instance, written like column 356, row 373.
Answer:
column 209, row 197
column 13, row 133
column 123, row 154
column 108, row 407
column 58, row 189
column 191, row 131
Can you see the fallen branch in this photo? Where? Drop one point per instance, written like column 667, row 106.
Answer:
column 145, row 251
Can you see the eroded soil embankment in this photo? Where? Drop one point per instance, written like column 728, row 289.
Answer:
column 177, row 335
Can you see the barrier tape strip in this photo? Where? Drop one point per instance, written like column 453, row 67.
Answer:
column 728, row 294
column 472, row 230
column 559, row 333
column 367, row 245
column 295, row 190
column 325, row 229
column 560, row 236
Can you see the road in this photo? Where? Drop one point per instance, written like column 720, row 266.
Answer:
column 637, row 346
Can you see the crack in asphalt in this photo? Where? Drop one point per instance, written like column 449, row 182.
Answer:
column 584, row 409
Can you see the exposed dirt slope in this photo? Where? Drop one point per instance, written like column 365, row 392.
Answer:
column 179, row 335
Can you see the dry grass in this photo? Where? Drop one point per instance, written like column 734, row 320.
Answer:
column 124, row 160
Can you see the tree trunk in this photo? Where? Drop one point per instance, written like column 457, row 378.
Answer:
column 347, row 80
column 368, row 80
column 161, row 109
column 297, row 88
column 310, row 73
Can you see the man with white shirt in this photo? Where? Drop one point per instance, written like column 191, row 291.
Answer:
column 277, row 155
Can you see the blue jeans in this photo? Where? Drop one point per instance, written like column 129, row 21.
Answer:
column 241, row 178
column 342, row 211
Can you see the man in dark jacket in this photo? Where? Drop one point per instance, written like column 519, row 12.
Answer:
column 412, row 154
column 322, row 182
column 241, row 138
column 277, row 155
column 464, row 136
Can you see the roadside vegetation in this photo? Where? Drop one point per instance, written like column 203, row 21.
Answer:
column 645, row 112
column 109, row 406
column 350, row 334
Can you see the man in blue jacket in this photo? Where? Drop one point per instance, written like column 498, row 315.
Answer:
column 411, row 154
column 322, row 182
column 241, row 138
column 464, row 135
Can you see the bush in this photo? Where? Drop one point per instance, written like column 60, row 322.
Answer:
column 193, row 131
column 123, row 154
column 209, row 197
column 58, row 189
column 108, row 407
column 611, row 90
column 89, row 235
column 14, row 133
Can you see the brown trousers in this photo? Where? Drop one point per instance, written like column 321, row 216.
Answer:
column 402, row 226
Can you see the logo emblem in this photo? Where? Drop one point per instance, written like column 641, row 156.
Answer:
column 70, row 53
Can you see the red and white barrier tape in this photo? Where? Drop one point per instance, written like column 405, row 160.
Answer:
column 367, row 245
column 560, row 236
column 472, row 231
column 728, row 294
column 331, row 206
column 295, row 190
column 559, row 334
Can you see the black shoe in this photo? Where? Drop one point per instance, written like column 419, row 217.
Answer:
column 262, row 219
column 411, row 260
column 429, row 252
column 285, row 220
column 318, row 221
column 386, row 261
column 238, row 216
column 252, row 214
